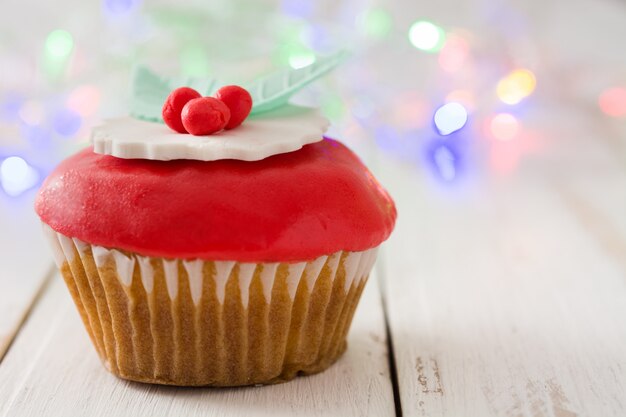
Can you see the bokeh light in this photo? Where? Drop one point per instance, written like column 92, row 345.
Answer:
column 411, row 110
column 445, row 162
column 334, row 108
column 427, row 36
column 32, row 112
column 66, row 122
column 375, row 23
column 84, row 100
column 59, row 44
column 10, row 106
column 454, row 54
column 516, row 86
column 318, row 39
column 301, row 59
column 613, row 102
column 38, row 137
column 504, row 126
column 465, row 97
column 119, row 7
column 388, row 138
column 505, row 156
column 450, row 118
column 194, row 61
column 298, row 8
column 16, row 176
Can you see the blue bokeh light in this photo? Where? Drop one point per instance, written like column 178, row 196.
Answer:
column 119, row 6
column 66, row 122
column 298, row 8
column 38, row 137
column 10, row 106
column 445, row 161
column 450, row 118
column 17, row 176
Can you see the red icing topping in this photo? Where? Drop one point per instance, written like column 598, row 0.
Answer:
column 205, row 115
column 173, row 107
column 239, row 102
column 289, row 207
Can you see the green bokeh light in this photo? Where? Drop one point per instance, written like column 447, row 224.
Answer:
column 291, row 48
column 426, row 36
column 300, row 59
column 59, row 44
column 333, row 108
column 375, row 23
column 194, row 61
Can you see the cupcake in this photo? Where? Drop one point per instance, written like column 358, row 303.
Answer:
column 223, row 259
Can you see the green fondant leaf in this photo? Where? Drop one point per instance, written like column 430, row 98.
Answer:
column 276, row 89
column 149, row 91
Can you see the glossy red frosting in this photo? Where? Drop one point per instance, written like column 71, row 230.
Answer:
column 290, row 207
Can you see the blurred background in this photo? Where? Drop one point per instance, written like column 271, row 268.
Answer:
column 498, row 127
column 465, row 91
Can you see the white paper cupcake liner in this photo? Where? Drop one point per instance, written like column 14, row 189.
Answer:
column 220, row 323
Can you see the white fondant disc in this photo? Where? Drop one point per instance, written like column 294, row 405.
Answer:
column 285, row 130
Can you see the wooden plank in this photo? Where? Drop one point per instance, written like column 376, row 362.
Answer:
column 508, row 299
column 53, row 370
column 24, row 264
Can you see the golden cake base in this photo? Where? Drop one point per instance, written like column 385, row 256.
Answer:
column 152, row 337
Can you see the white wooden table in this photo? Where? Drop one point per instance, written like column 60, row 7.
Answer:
column 504, row 297
column 508, row 299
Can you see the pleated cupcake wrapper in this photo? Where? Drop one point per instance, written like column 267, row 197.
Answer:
column 220, row 323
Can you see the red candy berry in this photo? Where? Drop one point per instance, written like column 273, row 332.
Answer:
column 239, row 102
column 205, row 115
column 173, row 107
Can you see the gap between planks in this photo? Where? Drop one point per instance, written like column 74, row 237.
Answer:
column 24, row 265
column 505, row 302
column 27, row 308
column 393, row 370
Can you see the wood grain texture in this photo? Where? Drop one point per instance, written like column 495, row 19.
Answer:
column 24, row 264
column 53, row 370
column 508, row 299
